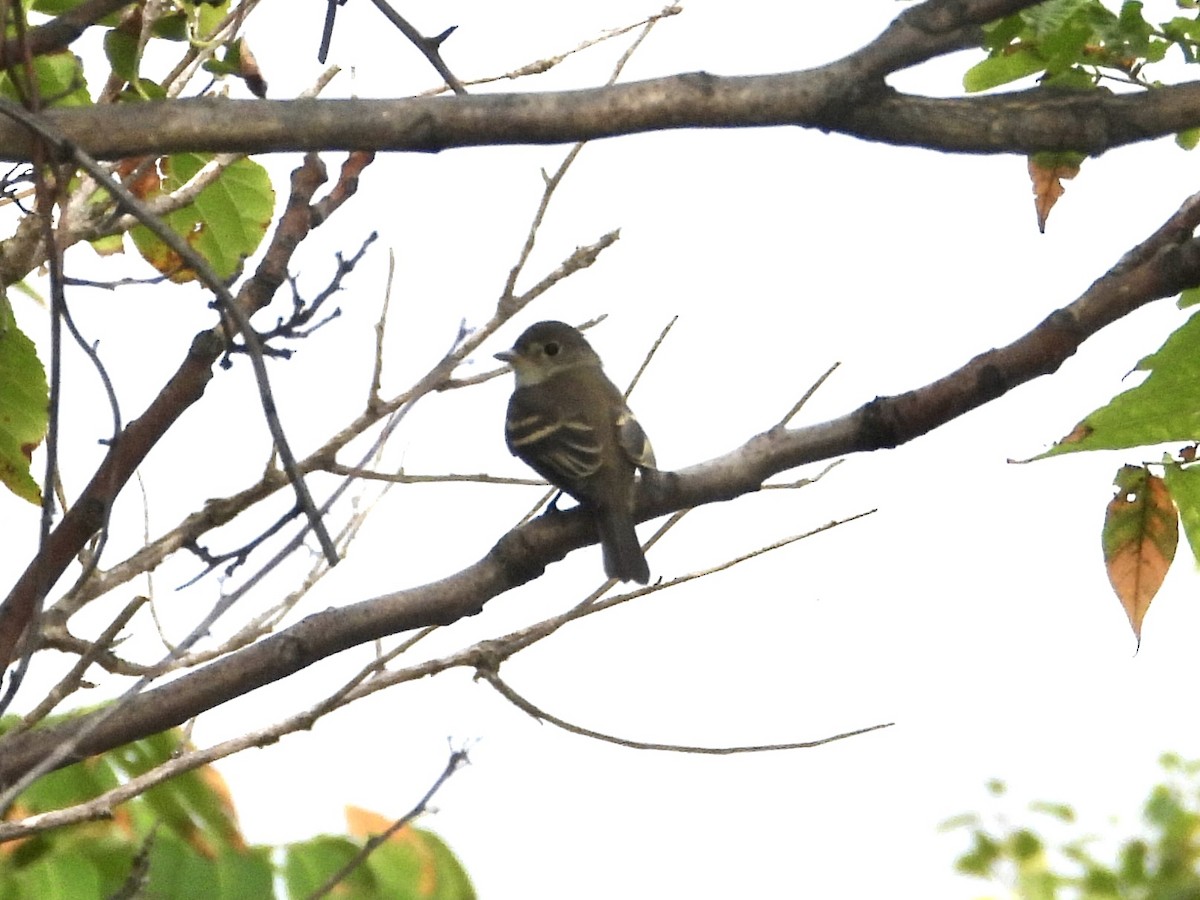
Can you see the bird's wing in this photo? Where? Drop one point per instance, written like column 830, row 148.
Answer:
column 564, row 449
column 633, row 440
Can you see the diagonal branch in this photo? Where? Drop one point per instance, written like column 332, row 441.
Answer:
column 1168, row 261
column 184, row 388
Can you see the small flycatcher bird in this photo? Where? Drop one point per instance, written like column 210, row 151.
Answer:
column 571, row 425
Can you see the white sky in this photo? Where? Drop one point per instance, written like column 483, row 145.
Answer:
column 972, row 609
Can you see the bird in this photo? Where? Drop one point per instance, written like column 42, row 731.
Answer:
column 571, row 425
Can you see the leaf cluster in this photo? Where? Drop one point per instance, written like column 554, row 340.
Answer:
column 1077, row 44
column 222, row 206
column 181, row 839
column 1162, row 862
column 1142, row 522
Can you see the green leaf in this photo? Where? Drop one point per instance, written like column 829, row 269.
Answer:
column 190, row 840
column 1066, row 46
column 309, row 864
column 61, row 876
column 1075, row 78
column 108, row 244
column 1162, row 408
column 24, row 406
column 1025, row 845
column 58, row 7
column 1007, row 67
column 209, row 18
column 962, row 820
column 1001, row 33
column 59, row 77
column 1061, row 811
column 71, row 785
column 1188, row 139
column 121, row 49
column 171, row 27
column 1163, row 808
column 1053, row 16
column 416, row 863
column 1189, row 297
column 1133, row 861
column 225, row 224
column 247, row 874
column 981, row 857
column 1184, row 484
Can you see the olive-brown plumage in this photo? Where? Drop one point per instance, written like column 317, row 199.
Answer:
column 571, row 425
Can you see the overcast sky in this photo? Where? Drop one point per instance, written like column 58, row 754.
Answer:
column 972, row 610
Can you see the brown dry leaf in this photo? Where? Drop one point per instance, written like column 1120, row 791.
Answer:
column 1047, row 172
column 1141, row 532
column 249, row 71
column 149, row 177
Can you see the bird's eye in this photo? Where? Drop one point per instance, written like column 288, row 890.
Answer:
column 552, row 349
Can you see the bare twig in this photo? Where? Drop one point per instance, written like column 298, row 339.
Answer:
column 430, row 47
column 458, row 759
column 662, row 336
column 217, row 512
column 72, row 679
column 541, row 715
column 547, row 63
column 816, row 385
column 213, row 282
column 403, row 477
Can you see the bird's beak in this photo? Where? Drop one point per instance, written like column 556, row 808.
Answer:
column 506, row 356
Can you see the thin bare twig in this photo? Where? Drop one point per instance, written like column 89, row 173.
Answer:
column 458, row 759
column 101, row 807
column 71, row 680
column 802, row 482
column 403, row 477
column 547, row 63
column 430, row 47
column 541, row 715
column 213, row 282
column 662, row 336
column 488, row 654
column 816, row 385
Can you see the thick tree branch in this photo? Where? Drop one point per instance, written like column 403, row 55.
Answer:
column 58, row 33
column 1166, row 262
column 1022, row 122
column 848, row 96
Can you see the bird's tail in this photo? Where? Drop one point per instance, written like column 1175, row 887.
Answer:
column 623, row 557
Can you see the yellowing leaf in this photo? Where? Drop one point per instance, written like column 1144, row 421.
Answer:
column 1141, row 532
column 1047, row 171
column 225, row 223
column 363, row 823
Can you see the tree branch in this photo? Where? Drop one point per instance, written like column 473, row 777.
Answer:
column 1168, row 261
column 128, row 450
column 849, row 96
column 1021, row 122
